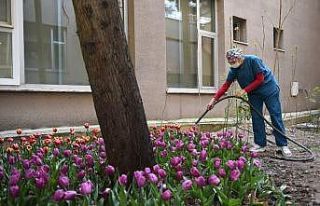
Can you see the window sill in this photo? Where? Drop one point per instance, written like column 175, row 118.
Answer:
column 280, row 50
column 240, row 42
column 210, row 90
column 46, row 88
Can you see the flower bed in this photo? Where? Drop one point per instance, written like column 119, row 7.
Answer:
column 193, row 168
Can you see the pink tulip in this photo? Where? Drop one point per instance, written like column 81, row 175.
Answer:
column 123, row 180
column 166, row 195
column 200, row 181
column 194, row 172
column 86, row 188
column 231, row 164
column 217, row 162
column 234, row 175
column 214, row 180
column 187, row 185
column 222, row 172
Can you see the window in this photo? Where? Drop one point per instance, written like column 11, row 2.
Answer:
column 278, row 38
column 239, row 29
column 190, row 43
column 6, row 41
column 51, row 47
column 47, row 52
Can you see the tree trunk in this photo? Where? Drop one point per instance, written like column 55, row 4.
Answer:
column 115, row 91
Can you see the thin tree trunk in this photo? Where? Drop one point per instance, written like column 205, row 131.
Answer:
column 114, row 87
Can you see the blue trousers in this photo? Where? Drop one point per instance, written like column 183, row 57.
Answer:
column 273, row 105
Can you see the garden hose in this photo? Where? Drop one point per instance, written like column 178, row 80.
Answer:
column 310, row 157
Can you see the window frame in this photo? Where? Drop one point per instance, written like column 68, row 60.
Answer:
column 278, row 31
column 202, row 33
column 243, row 27
column 15, row 29
column 17, row 83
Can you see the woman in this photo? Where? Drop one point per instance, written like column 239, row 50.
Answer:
column 256, row 80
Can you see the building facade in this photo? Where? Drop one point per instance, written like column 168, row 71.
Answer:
column 177, row 47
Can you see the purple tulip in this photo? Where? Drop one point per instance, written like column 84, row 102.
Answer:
column 163, row 153
column 195, row 163
column 67, row 153
column 14, row 191
column 229, row 145
column 153, row 178
column 86, row 188
column 56, row 152
column 105, row 194
column 64, row 181
column 222, row 172
column 147, row 170
column 203, row 155
column 179, row 144
column 223, row 144
column 141, row 181
column 234, row 175
column 40, row 182
column 200, row 181
column 69, row 195
column 11, row 159
column 14, row 179
column 29, row 173
column 123, row 179
column 194, row 172
column 240, row 164
column 58, row 195
column 138, row 173
column 242, row 158
column 101, row 141
column 103, row 155
column 179, row 175
column 257, row 163
column 162, row 173
column 204, row 143
column 217, row 162
column 187, row 185
column 45, row 168
column 254, row 154
column 109, row 170
column 191, row 147
column 89, row 160
column 231, row 164
column 214, row 180
column 77, row 160
column 156, row 168
column 175, row 161
column 26, row 164
column 194, row 153
column 81, row 174
column 244, row 149
column 166, row 195
column 64, row 170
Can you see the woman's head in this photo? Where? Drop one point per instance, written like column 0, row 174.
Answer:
column 234, row 57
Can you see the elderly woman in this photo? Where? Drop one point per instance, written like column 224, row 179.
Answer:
column 256, row 80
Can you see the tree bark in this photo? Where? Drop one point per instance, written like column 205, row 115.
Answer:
column 115, row 91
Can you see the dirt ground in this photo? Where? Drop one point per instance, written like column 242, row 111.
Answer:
column 301, row 178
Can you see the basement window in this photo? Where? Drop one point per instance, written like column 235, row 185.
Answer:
column 278, row 38
column 239, row 29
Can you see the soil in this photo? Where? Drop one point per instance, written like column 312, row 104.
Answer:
column 301, row 178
